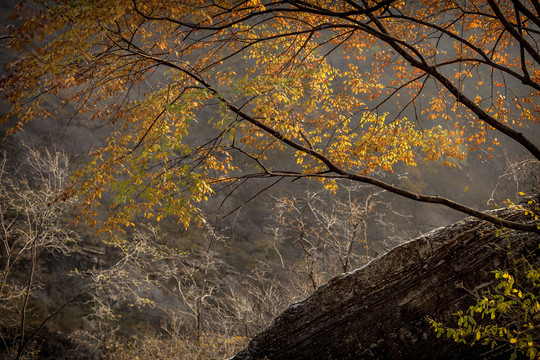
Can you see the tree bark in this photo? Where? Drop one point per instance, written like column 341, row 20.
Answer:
column 382, row 310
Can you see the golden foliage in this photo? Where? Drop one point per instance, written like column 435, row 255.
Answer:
column 311, row 76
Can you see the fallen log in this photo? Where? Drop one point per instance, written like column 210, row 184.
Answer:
column 382, row 310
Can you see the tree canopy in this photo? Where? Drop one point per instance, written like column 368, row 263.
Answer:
column 346, row 88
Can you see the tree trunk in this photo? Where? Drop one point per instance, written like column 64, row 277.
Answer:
column 382, row 310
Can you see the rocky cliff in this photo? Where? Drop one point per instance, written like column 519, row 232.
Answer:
column 381, row 311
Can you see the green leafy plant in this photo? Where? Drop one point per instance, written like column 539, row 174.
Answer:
column 509, row 314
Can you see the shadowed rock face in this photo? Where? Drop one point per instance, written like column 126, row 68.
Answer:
column 381, row 310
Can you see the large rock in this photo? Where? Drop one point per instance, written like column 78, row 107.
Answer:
column 381, row 310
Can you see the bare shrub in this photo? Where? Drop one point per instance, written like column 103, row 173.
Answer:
column 32, row 225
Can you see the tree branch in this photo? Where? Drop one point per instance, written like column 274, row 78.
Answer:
column 458, row 94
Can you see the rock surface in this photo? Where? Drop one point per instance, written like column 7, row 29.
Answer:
column 381, row 310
